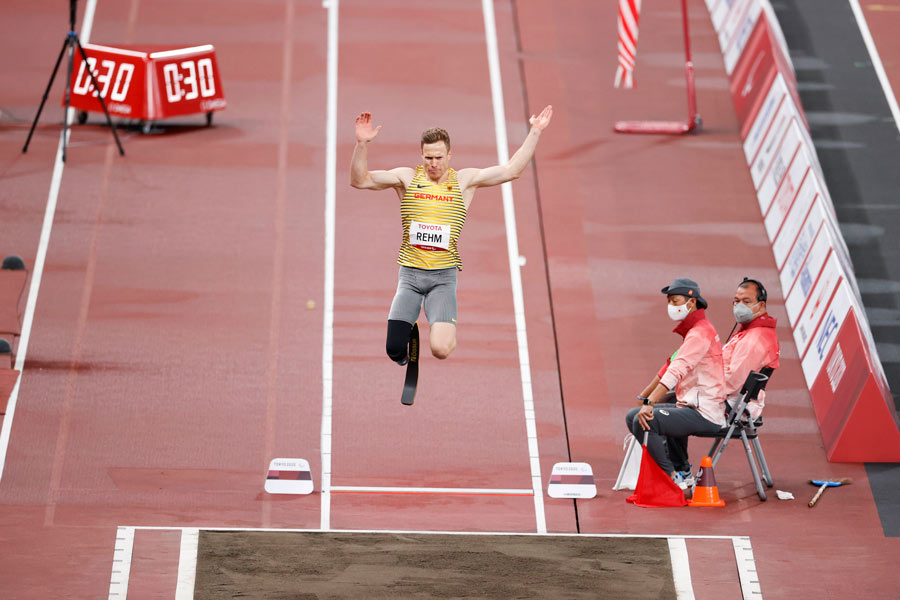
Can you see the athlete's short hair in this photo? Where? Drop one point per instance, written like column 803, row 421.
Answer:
column 435, row 134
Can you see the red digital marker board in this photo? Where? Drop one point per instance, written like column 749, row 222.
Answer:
column 148, row 83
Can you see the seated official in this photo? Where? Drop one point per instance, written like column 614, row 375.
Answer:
column 755, row 344
column 695, row 373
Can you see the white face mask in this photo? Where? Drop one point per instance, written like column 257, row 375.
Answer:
column 743, row 314
column 678, row 313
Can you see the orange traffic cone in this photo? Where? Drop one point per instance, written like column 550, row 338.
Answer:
column 707, row 492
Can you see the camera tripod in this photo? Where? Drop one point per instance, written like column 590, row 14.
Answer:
column 71, row 43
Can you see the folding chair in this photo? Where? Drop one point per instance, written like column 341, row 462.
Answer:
column 739, row 421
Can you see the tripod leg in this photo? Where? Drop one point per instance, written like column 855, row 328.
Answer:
column 65, row 138
column 46, row 93
column 100, row 97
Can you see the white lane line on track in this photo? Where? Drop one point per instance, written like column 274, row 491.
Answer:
column 515, row 274
column 40, row 258
column 328, row 301
column 187, row 563
column 87, row 24
column 121, row 567
column 681, row 569
column 430, row 490
column 734, row 539
column 876, row 61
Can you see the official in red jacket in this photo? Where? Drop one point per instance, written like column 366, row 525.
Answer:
column 695, row 373
column 755, row 344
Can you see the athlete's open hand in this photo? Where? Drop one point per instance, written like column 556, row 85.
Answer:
column 542, row 120
column 364, row 131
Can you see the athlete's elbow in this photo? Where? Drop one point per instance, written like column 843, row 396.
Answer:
column 512, row 173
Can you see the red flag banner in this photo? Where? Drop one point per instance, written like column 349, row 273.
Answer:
column 654, row 486
column 629, row 15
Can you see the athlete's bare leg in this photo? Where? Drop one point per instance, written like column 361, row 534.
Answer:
column 443, row 339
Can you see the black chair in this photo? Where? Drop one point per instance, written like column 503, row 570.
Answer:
column 740, row 422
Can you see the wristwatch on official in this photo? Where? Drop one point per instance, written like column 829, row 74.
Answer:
column 646, row 401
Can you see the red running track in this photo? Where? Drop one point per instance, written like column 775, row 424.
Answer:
column 173, row 353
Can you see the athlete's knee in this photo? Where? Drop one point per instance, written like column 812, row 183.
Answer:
column 397, row 344
column 441, row 352
column 442, row 348
column 637, row 430
column 630, row 418
column 442, row 339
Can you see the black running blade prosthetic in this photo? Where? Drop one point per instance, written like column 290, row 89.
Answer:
column 412, row 368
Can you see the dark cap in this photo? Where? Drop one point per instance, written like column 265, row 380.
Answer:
column 13, row 262
column 685, row 287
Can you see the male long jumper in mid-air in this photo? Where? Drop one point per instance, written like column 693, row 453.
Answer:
column 434, row 199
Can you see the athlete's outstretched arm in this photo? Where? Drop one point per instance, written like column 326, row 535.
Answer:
column 517, row 163
column 360, row 176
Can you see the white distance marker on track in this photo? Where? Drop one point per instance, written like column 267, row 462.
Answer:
column 121, row 567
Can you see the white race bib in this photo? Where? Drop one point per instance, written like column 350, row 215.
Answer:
column 429, row 236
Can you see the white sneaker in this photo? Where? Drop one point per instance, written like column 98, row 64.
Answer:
column 688, row 478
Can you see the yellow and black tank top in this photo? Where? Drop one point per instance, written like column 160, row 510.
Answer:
column 433, row 215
